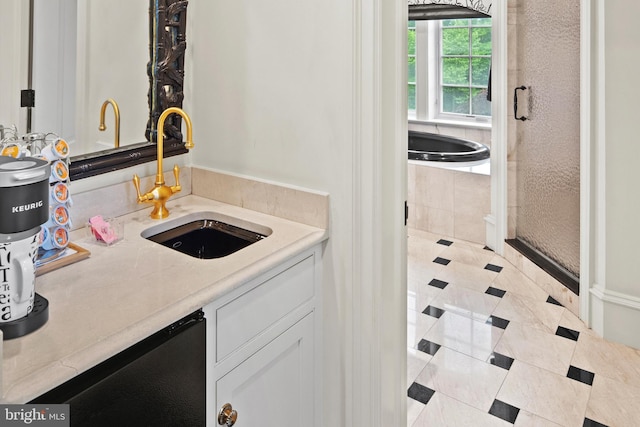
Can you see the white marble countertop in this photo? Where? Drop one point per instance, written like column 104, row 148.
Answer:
column 123, row 293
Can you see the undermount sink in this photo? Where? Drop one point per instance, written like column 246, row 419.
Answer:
column 206, row 235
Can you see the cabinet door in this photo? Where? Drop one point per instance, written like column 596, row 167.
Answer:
column 274, row 386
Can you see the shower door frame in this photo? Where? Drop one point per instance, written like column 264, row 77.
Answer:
column 589, row 189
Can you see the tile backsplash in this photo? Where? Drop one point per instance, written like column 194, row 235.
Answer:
column 289, row 202
column 119, row 199
column 284, row 201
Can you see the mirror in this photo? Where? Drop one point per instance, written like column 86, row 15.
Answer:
column 79, row 61
column 130, row 51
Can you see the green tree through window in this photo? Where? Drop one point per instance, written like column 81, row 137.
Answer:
column 465, row 61
column 457, row 70
column 412, row 65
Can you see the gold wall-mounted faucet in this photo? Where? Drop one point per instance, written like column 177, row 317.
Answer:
column 160, row 193
column 116, row 112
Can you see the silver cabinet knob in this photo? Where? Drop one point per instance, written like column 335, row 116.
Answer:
column 227, row 415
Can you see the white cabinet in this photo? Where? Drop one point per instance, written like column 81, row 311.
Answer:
column 274, row 386
column 263, row 342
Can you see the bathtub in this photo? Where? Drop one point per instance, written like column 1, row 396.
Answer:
column 449, row 186
column 441, row 148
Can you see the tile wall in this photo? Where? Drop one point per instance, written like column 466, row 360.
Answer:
column 448, row 202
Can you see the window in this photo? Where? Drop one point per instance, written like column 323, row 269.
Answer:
column 412, row 65
column 448, row 69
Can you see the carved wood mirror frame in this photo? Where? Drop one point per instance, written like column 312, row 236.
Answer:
column 448, row 9
column 167, row 45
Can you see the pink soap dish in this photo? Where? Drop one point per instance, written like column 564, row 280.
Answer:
column 107, row 231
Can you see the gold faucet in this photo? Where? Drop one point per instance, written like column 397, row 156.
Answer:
column 116, row 111
column 160, row 192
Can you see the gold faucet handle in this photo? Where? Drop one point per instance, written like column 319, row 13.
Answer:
column 141, row 198
column 176, row 173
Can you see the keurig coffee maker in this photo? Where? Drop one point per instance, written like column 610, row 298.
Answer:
column 24, row 207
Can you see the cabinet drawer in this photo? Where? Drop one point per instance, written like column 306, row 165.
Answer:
column 246, row 316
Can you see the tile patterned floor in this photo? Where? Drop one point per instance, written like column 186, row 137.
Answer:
column 487, row 347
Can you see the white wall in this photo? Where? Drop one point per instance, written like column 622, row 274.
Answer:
column 289, row 91
column 272, row 88
column 615, row 305
column 271, row 97
column 14, row 45
column 622, row 145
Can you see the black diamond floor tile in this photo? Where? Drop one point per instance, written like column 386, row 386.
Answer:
column 567, row 333
column 551, row 300
column 504, row 411
column 438, row 283
column 581, row 375
column 500, row 360
column 444, row 242
column 498, row 322
column 420, row 393
column 428, row 347
column 495, row 292
column 493, row 267
column 433, row 311
column 590, row 423
column 442, row 261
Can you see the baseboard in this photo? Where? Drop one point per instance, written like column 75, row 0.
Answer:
column 616, row 298
column 548, row 265
column 544, row 280
column 610, row 310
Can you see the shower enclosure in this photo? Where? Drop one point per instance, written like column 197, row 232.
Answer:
column 544, row 143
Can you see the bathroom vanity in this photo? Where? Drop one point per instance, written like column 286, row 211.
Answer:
column 261, row 346
column 261, row 305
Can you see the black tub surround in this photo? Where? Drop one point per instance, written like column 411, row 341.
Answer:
column 440, row 148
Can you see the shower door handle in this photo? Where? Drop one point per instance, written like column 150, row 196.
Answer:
column 515, row 103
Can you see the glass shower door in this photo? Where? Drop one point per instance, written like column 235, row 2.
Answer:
column 548, row 143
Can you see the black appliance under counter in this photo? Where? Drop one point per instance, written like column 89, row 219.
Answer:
column 160, row 381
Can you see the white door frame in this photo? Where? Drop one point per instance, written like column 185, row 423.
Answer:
column 586, row 172
column 376, row 382
column 496, row 222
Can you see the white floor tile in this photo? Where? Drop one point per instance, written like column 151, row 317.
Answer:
column 468, row 255
column 512, row 280
column 465, row 335
column 443, row 411
column 536, row 347
column 421, row 297
column 615, row 361
column 469, row 276
column 527, row 419
column 466, row 302
column 546, row 394
column 463, row 378
column 418, row 325
column 525, row 310
column 416, row 361
column 571, row 321
column 613, row 403
column 413, row 410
